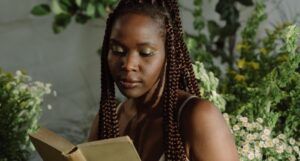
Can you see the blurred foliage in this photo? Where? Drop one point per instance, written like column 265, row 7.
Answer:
column 80, row 10
column 20, row 109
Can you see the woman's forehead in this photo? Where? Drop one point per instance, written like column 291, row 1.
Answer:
column 136, row 27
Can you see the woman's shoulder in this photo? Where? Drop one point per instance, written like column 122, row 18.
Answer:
column 205, row 131
column 196, row 109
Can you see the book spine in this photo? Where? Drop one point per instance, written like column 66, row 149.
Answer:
column 75, row 156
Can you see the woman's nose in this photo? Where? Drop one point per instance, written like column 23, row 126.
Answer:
column 130, row 62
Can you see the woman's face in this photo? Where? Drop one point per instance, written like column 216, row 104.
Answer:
column 136, row 54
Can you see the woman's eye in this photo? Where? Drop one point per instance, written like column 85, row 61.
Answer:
column 146, row 52
column 117, row 50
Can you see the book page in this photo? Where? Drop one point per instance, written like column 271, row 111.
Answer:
column 51, row 146
column 116, row 149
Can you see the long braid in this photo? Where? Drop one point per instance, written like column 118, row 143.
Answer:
column 108, row 122
column 173, row 143
column 186, row 63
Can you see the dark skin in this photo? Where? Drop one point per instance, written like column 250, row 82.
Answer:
column 137, row 63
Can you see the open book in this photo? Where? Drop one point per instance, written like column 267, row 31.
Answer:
column 53, row 147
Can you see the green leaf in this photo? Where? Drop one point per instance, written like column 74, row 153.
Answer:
column 64, row 5
column 56, row 8
column 61, row 21
column 82, row 19
column 78, row 2
column 41, row 10
column 246, row 2
column 101, row 10
column 213, row 28
column 91, row 9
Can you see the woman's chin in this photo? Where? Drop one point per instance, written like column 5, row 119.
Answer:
column 130, row 93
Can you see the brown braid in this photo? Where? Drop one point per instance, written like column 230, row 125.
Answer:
column 165, row 13
column 186, row 63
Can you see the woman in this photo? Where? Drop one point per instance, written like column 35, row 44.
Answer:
column 144, row 55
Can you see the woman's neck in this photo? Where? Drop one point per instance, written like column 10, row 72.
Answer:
column 150, row 101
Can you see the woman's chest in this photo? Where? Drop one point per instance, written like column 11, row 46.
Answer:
column 146, row 133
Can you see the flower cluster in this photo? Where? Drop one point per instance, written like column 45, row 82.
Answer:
column 257, row 142
column 20, row 107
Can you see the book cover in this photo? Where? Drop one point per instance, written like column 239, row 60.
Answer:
column 53, row 147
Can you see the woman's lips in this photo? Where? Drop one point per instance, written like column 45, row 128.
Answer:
column 129, row 84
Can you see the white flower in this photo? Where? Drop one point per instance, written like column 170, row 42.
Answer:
column 236, row 128
column 269, row 143
column 289, row 149
column 246, row 125
column 264, row 137
column 250, row 137
column 49, row 107
column 267, row 132
column 243, row 119
column 261, row 144
column 258, row 154
column 296, row 148
column 242, row 132
column 292, row 158
column 260, row 120
column 279, row 149
column 18, row 72
column 251, row 155
column 245, row 149
column 23, row 86
column 275, row 141
column 259, row 127
column 292, row 141
column 54, row 93
column 281, row 136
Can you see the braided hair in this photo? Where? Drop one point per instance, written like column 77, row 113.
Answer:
column 179, row 72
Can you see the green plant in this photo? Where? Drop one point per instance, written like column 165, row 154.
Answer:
column 261, row 84
column 80, row 10
column 256, row 141
column 20, row 109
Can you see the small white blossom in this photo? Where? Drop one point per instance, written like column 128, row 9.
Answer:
column 267, row 132
column 264, row 137
column 236, row 128
column 281, row 136
column 260, row 120
column 269, row 143
column 243, row 119
column 292, row 141
column 261, row 144
column 289, row 149
column 280, row 149
column 258, row 154
column 54, row 93
column 275, row 141
column 251, row 155
column 49, row 107
column 292, row 158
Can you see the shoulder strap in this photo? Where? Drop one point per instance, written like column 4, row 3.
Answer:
column 181, row 108
column 119, row 106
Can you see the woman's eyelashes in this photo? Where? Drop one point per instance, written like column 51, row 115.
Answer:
column 146, row 52
column 119, row 50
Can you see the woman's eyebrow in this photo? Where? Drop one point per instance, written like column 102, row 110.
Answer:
column 114, row 41
column 146, row 44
